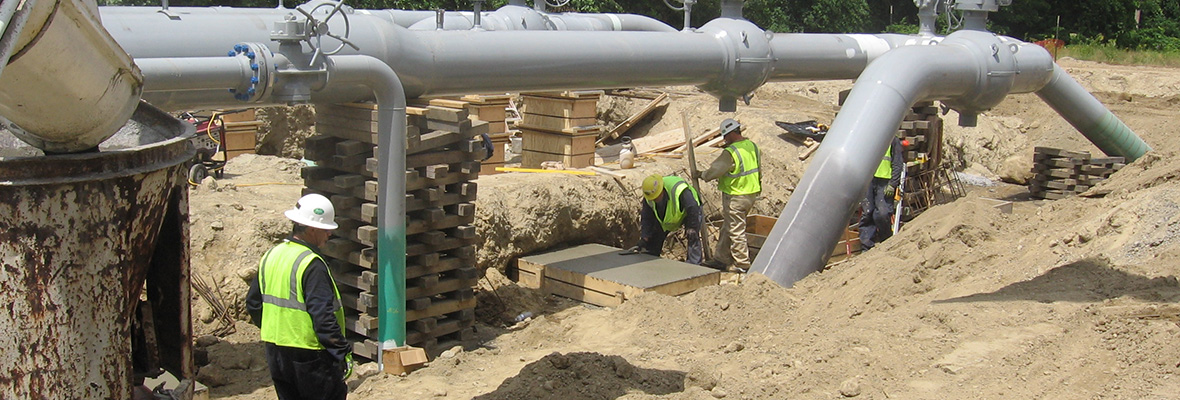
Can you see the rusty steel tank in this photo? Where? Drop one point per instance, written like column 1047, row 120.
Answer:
column 94, row 258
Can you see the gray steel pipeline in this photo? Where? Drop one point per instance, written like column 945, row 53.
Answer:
column 722, row 54
column 961, row 69
column 1066, row 96
column 524, row 18
column 183, row 74
column 812, row 56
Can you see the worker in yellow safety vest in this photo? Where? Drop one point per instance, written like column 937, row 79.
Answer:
column 295, row 302
column 669, row 202
column 739, row 177
column 877, row 208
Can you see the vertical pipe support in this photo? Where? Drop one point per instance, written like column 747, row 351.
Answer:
column 391, row 243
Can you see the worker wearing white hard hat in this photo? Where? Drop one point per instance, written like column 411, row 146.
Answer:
column 295, row 302
column 739, row 177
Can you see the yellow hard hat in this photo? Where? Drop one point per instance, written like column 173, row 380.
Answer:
column 653, row 186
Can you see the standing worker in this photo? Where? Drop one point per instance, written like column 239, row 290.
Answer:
column 295, row 301
column 739, row 178
column 669, row 202
column 877, row 207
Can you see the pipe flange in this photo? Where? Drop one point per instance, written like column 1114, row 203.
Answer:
column 258, row 56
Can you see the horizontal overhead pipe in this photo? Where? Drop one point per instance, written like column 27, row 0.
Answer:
column 971, row 70
column 1066, row 96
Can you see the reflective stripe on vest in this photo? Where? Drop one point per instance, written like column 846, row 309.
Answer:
column 885, row 169
column 746, row 176
column 673, row 214
column 285, row 321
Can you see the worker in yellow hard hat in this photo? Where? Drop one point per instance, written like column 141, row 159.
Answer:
column 668, row 203
column 295, row 302
column 739, row 178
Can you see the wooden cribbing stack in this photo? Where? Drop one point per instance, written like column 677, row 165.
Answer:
column 928, row 181
column 490, row 109
column 559, row 126
column 442, row 152
column 1058, row 173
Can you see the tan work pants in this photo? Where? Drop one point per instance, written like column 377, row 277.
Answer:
column 731, row 248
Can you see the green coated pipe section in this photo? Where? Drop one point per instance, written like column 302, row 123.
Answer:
column 1066, row 96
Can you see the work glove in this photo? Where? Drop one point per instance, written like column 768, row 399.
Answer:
column 890, row 191
column 346, row 366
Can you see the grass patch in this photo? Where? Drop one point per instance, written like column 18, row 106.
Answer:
column 1113, row 55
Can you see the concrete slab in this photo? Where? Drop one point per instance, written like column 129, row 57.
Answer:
column 597, row 274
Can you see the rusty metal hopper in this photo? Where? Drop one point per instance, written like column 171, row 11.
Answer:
column 83, row 238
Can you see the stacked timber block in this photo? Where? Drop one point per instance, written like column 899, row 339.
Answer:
column 442, row 152
column 1058, row 173
column 559, row 126
column 241, row 133
column 491, row 109
column 922, row 129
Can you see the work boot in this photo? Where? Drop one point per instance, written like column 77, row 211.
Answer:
column 714, row 264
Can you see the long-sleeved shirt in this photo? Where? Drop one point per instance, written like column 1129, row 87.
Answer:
column 721, row 166
column 648, row 223
column 897, row 161
column 319, row 294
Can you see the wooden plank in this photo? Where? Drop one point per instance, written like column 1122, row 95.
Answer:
column 446, row 114
column 1061, row 152
column 533, row 159
column 702, row 140
column 489, row 113
column 760, row 224
column 556, row 123
column 349, row 134
column 448, row 103
column 558, row 144
column 577, row 130
column 559, row 107
column 240, row 140
column 626, row 125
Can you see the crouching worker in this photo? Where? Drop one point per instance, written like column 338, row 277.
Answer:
column 669, row 202
column 295, row 302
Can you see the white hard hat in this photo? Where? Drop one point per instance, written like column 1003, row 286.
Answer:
column 729, row 125
column 314, row 210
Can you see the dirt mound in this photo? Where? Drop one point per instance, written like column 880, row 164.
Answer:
column 587, row 376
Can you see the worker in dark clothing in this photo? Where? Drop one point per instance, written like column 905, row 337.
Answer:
column 877, row 208
column 295, row 301
column 669, row 202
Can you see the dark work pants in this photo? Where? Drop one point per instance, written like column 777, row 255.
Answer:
column 302, row 374
column 875, row 224
column 692, row 230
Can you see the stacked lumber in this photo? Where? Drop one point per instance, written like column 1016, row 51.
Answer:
column 1058, row 173
column 491, row 109
column 559, row 126
column 442, row 152
column 241, row 133
column 928, row 182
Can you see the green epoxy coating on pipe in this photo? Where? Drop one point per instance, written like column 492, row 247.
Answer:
column 391, row 274
column 1116, row 138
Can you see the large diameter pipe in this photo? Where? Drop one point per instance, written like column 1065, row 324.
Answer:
column 182, row 74
column 391, row 243
column 69, row 71
column 808, row 56
column 818, row 210
column 1066, row 96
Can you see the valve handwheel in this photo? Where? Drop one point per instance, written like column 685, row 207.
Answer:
column 319, row 28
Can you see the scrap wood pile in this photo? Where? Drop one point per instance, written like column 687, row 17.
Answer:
column 443, row 148
column 672, row 143
column 1062, row 173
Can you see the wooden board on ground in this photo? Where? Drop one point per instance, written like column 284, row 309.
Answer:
column 533, row 159
column 597, row 274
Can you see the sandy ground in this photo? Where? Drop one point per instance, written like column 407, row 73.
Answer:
column 1064, row 299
